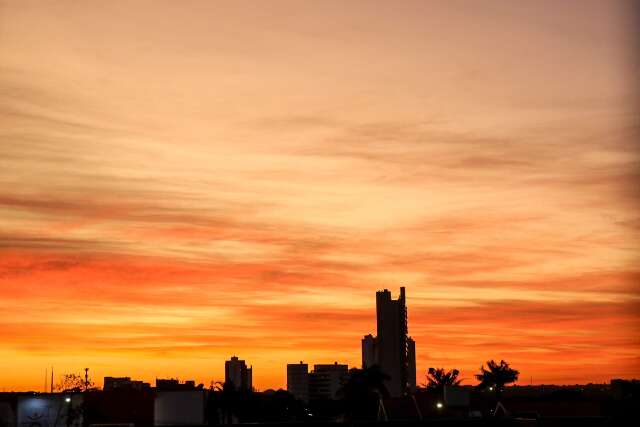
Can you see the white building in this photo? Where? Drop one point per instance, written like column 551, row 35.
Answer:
column 180, row 407
column 49, row 410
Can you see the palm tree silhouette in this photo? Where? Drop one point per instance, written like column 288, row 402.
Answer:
column 438, row 378
column 496, row 376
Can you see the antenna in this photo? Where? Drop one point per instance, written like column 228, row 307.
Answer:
column 51, row 379
column 46, row 375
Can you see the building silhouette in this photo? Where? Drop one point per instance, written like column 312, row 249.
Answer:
column 326, row 380
column 298, row 380
column 173, row 384
column 392, row 349
column 323, row 382
column 237, row 373
column 411, row 365
column 124, row 383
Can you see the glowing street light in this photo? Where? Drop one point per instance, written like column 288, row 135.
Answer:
column 439, row 405
column 67, row 399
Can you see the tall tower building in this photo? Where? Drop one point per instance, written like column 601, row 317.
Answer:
column 237, row 373
column 392, row 349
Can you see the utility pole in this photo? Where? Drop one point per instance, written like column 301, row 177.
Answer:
column 51, row 379
column 86, row 379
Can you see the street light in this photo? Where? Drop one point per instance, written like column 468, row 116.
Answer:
column 439, row 405
column 67, row 399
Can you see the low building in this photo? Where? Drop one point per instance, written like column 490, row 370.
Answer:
column 326, row 380
column 124, row 383
column 50, row 410
column 173, row 384
column 179, row 408
column 124, row 406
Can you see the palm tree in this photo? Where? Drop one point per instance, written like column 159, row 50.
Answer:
column 438, row 379
column 496, row 376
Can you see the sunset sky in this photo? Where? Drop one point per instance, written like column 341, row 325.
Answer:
column 184, row 181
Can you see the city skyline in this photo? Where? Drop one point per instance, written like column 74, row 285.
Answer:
column 180, row 182
column 324, row 381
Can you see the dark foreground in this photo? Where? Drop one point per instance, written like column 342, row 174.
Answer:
column 455, row 422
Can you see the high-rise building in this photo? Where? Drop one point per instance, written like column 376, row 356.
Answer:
column 326, row 380
column 237, row 373
column 392, row 349
column 369, row 351
column 298, row 380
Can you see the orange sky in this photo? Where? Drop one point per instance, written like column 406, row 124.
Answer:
column 184, row 181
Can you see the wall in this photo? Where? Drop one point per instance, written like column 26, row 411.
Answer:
column 179, row 408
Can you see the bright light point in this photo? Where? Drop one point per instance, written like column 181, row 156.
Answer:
column 490, row 388
column 439, row 405
column 68, row 399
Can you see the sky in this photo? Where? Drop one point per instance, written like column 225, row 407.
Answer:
column 185, row 181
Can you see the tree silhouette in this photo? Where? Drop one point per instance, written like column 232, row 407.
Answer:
column 71, row 383
column 496, row 376
column 438, row 378
column 363, row 390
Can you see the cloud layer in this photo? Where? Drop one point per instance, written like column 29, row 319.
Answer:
column 180, row 184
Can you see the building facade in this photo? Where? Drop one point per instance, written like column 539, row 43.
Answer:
column 369, row 351
column 237, row 373
column 392, row 349
column 179, row 408
column 298, row 380
column 49, row 410
column 326, row 380
column 124, row 383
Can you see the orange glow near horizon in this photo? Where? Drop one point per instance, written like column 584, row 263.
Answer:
column 185, row 181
